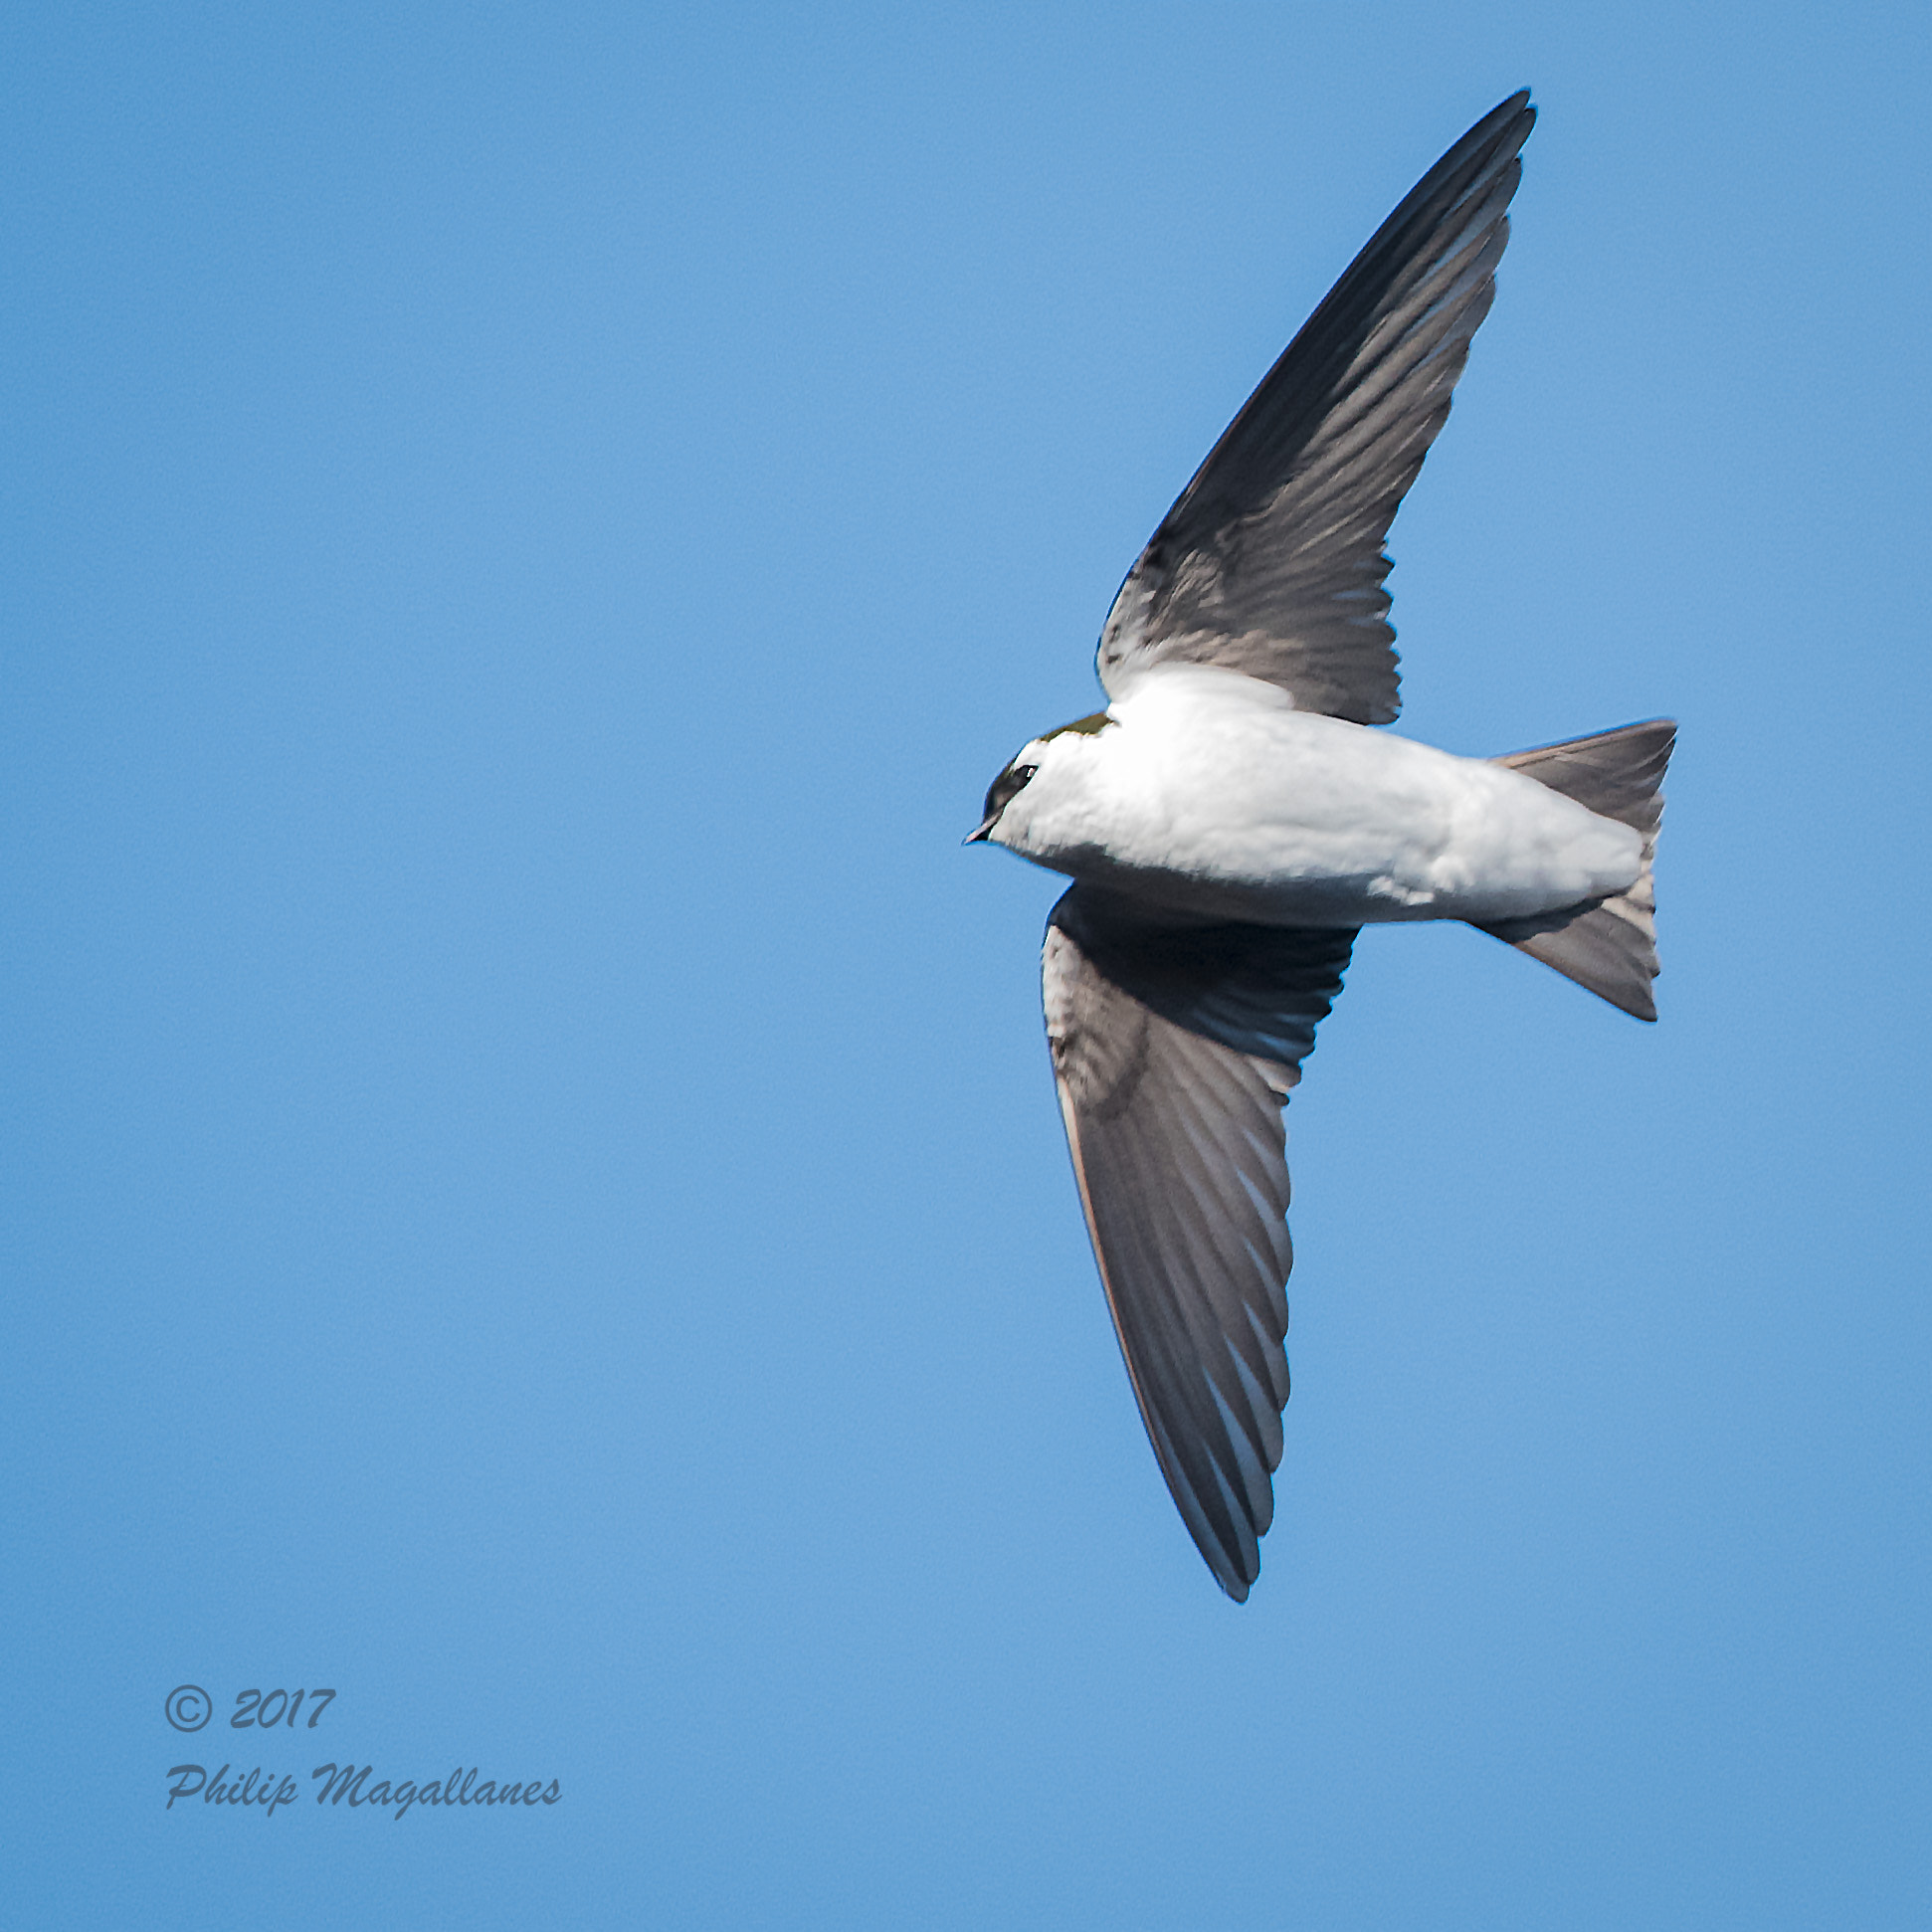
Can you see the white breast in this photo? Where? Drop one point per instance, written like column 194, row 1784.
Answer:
column 1210, row 792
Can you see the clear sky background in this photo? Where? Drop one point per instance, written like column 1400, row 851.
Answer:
column 533, row 1196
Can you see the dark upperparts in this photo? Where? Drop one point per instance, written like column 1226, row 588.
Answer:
column 1087, row 726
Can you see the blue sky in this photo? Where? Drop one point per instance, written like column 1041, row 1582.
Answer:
column 532, row 1191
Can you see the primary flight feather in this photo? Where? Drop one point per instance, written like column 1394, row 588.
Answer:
column 1230, row 822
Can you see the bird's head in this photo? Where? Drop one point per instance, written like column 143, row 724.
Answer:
column 1040, row 775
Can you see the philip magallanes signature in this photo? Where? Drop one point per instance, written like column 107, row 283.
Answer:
column 344, row 1783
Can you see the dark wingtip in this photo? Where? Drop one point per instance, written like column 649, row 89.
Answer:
column 1512, row 118
column 1236, row 1576
column 1517, row 114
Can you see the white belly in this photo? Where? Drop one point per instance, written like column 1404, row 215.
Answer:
column 1212, row 795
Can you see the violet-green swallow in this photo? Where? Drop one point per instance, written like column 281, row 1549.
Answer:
column 1231, row 821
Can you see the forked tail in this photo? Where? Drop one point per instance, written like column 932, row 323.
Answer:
column 1608, row 945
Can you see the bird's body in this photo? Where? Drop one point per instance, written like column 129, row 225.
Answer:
column 1205, row 791
column 1233, row 819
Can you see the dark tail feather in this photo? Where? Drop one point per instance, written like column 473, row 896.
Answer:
column 1608, row 945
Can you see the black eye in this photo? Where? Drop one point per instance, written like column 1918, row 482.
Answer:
column 1000, row 793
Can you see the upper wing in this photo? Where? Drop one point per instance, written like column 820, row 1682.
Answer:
column 1174, row 1050
column 1271, row 560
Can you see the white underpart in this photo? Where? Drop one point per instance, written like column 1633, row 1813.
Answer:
column 1210, row 793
